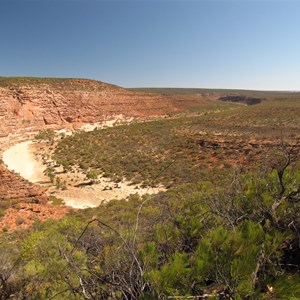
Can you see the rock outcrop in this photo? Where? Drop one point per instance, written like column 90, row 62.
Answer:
column 35, row 105
column 13, row 186
column 23, row 215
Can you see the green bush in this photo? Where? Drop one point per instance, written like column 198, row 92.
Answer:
column 47, row 135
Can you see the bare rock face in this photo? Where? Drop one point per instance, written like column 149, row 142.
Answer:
column 32, row 106
column 13, row 186
column 23, row 215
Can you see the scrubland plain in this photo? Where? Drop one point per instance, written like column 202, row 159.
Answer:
column 224, row 226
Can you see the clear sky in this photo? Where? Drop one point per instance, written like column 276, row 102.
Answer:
column 201, row 44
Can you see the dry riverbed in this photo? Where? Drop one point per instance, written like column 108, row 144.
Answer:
column 29, row 159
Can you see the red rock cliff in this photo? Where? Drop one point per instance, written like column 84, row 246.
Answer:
column 13, row 186
column 30, row 105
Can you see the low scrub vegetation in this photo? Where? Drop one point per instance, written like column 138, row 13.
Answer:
column 226, row 228
column 240, row 241
column 47, row 135
column 148, row 153
column 175, row 151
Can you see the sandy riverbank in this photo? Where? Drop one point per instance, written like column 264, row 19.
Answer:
column 20, row 159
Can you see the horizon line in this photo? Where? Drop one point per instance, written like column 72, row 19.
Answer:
column 157, row 87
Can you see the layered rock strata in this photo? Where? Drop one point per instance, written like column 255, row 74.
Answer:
column 29, row 107
column 13, row 186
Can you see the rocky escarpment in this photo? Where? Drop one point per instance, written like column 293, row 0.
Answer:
column 13, row 186
column 241, row 98
column 35, row 105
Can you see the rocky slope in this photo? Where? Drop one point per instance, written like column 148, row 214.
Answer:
column 22, row 202
column 13, row 186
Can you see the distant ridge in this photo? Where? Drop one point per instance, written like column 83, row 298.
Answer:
column 223, row 92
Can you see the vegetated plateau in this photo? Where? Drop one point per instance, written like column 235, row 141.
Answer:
column 226, row 225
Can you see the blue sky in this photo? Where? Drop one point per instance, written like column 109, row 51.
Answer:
column 139, row 43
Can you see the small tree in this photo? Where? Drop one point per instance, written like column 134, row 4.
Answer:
column 50, row 173
column 47, row 135
column 92, row 175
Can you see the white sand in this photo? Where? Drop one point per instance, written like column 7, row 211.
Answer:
column 20, row 159
column 103, row 191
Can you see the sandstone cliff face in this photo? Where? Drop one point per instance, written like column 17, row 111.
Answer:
column 13, row 186
column 27, row 107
